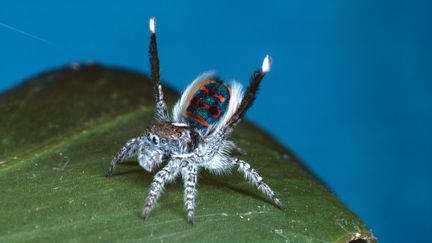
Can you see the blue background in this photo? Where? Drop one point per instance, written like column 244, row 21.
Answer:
column 350, row 90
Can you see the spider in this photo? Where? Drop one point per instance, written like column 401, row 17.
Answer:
column 195, row 136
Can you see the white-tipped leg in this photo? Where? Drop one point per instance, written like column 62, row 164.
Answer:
column 252, row 175
column 128, row 150
column 167, row 174
column 249, row 96
column 266, row 64
column 152, row 25
column 161, row 107
column 189, row 174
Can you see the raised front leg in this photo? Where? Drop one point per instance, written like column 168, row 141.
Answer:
column 167, row 174
column 252, row 175
column 128, row 150
column 189, row 174
column 161, row 107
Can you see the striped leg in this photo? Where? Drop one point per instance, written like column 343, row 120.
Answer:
column 252, row 175
column 189, row 174
column 127, row 151
column 167, row 174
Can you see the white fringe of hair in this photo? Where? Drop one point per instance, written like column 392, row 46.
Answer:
column 236, row 96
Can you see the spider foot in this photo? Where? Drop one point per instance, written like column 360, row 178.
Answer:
column 146, row 212
column 280, row 204
column 190, row 217
column 109, row 171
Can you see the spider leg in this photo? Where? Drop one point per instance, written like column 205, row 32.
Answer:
column 252, row 175
column 189, row 174
column 161, row 107
column 167, row 174
column 249, row 96
column 127, row 151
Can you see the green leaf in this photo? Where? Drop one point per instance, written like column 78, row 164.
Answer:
column 58, row 133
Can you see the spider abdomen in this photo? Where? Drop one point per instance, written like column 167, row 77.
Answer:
column 208, row 102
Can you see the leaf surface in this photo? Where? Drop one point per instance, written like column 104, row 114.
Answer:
column 58, row 133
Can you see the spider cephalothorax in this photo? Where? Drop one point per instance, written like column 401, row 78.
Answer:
column 163, row 140
column 196, row 135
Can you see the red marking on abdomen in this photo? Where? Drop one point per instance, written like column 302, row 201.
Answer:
column 215, row 111
column 219, row 97
column 203, row 88
column 198, row 118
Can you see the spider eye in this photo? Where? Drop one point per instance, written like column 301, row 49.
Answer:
column 155, row 140
column 163, row 141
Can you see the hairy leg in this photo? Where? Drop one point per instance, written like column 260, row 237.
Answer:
column 167, row 174
column 249, row 95
column 189, row 174
column 127, row 151
column 252, row 175
column 161, row 107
